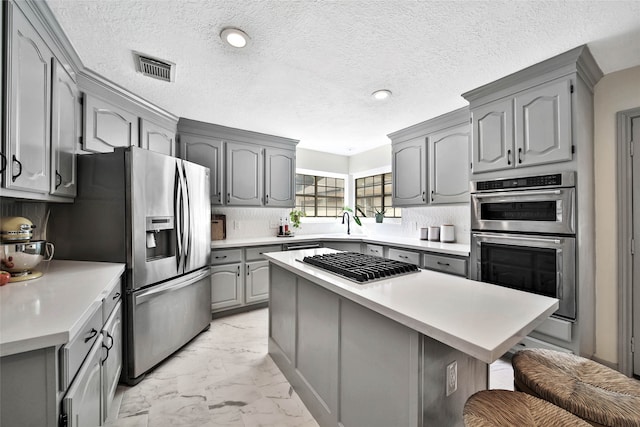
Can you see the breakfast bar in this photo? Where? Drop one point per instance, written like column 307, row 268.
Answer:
column 403, row 351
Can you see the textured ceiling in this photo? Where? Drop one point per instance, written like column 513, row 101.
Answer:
column 311, row 66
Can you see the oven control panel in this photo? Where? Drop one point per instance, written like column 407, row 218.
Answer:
column 552, row 180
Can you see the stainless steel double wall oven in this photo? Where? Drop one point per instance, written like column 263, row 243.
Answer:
column 524, row 235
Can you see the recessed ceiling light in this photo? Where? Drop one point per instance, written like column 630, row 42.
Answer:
column 381, row 94
column 234, row 36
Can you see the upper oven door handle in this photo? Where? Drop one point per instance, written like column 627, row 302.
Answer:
column 517, row 193
column 517, row 238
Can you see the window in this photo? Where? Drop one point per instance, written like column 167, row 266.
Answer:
column 374, row 192
column 319, row 196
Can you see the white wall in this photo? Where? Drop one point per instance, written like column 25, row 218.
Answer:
column 379, row 157
column 614, row 92
column 319, row 161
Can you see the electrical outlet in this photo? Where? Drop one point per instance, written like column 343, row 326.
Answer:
column 274, row 224
column 236, row 225
column 452, row 377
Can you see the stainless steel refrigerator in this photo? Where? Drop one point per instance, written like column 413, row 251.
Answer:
column 152, row 212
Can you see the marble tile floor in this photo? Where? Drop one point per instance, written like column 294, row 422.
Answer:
column 224, row 377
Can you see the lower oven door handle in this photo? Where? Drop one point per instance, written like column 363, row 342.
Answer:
column 559, row 286
column 171, row 286
column 521, row 239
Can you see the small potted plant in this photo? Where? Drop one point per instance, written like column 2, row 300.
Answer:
column 379, row 214
column 295, row 216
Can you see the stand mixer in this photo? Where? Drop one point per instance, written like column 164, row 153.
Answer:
column 19, row 254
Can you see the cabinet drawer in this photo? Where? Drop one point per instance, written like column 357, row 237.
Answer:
column 446, row 264
column 110, row 301
column 226, row 256
column 255, row 254
column 74, row 352
column 404, row 256
column 375, row 250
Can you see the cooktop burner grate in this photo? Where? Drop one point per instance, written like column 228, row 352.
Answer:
column 360, row 267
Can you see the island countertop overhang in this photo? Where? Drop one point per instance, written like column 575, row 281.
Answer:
column 479, row 319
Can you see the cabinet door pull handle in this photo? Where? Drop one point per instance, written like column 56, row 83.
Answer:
column 228, row 197
column 92, row 334
column 266, row 199
column 220, row 257
column 424, row 198
column 446, row 264
column 432, row 195
column 508, row 157
column 116, row 296
column 58, row 180
column 14, row 177
column 219, row 197
column 403, row 256
column 238, row 271
column 4, row 162
column 519, row 155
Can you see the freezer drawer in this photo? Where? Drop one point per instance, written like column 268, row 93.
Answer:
column 165, row 317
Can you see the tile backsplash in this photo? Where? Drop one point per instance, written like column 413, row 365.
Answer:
column 250, row 222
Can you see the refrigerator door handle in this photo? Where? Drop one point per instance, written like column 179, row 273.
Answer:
column 179, row 212
column 170, row 286
column 187, row 230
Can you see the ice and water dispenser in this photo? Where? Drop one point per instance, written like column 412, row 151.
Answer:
column 161, row 237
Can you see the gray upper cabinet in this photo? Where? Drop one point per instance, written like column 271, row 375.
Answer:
column 65, row 117
column 157, row 138
column 448, row 168
column 247, row 168
column 492, row 147
column 206, row 152
column 543, row 124
column 535, row 118
column 531, row 128
column 280, row 174
column 430, row 161
column 107, row 126
column 244, row 178
column 409, row 166
column 27, row 149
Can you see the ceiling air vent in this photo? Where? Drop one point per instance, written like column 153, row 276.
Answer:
column 154, row 67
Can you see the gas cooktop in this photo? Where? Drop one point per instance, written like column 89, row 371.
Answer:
column 360, row 267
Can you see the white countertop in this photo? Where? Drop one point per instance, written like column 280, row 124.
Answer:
column 459, row 249
column 477, row 318
column 48, row 311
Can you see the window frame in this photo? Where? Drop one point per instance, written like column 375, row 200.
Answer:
column 380, row 172
column 322, row 174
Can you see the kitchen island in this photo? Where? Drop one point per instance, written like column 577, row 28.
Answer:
column 403, row 351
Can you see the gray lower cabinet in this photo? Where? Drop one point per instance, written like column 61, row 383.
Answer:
column 240, row 277
column 353, row 367
column 378, row 363
column 81, row 404
column 226, row 286
column 256, row 281
column 404, row 256
column 375, row 250
column 446, row 264
column 112, row 364
column 317, row 349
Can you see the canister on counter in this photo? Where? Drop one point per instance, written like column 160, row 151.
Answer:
column 424, row 233
column 434, row 234
column 447, row 233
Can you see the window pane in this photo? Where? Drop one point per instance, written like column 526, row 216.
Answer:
column 377, row 179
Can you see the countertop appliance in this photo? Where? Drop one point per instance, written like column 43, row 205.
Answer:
column 152, row 212
column 523, row 236
column 19, row 254
column 360, row 267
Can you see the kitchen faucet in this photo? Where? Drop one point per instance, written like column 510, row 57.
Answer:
column 348, row 228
